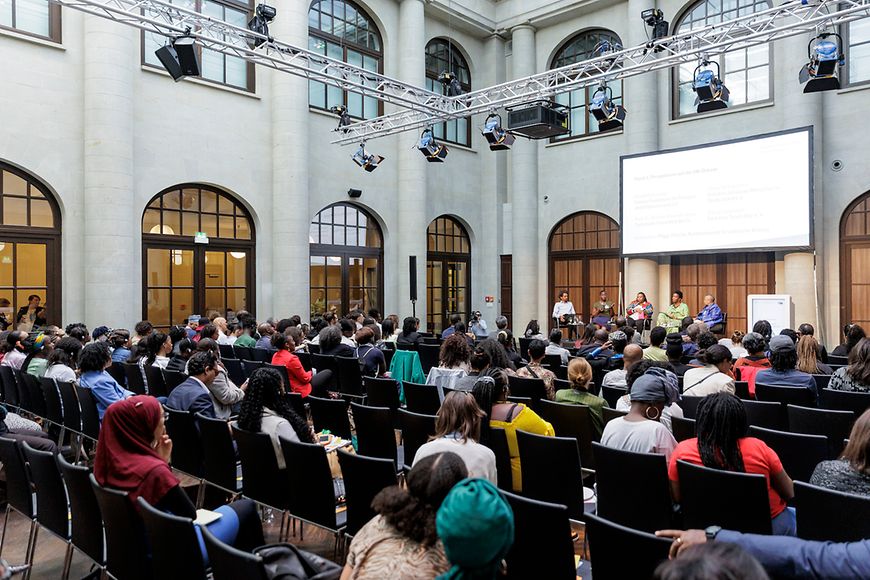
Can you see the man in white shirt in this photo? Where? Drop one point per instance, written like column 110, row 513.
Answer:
column 223, row 331
column 555, row 346
column 563, row 307
column 616, row 378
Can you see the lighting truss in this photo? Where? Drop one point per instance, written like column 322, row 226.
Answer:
column 789, row 19
column 170, row 20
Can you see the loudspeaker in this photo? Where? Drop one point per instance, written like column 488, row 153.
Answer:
column 412, row 272
column 354, row 193
column 180, row 58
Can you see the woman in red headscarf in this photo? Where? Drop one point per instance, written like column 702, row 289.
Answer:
column 133, row 454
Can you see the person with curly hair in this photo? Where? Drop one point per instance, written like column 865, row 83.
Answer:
column 455, row 353
column 265, row 409
column 497, row 355
column 119, row 342
column 402, row 540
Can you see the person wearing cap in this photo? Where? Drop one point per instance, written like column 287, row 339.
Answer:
column 783, row 358
column 101, row 333
column 476, row 526
column 640, row 430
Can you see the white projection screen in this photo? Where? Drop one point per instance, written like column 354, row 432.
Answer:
column 747, row 194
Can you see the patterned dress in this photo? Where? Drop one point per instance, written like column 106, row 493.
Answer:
column 379, row 551
column 843, row 381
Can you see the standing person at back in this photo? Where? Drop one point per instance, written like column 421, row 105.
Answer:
column 193, row 395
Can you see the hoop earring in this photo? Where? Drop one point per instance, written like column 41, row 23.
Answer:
column 653, row 418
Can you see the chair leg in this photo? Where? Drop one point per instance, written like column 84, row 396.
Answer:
column 31, row 548
column 200, row 494
column 5, row 526
column 67, row 561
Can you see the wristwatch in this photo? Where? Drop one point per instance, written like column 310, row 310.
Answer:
column 711, row 532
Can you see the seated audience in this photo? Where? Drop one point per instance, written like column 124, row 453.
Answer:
column 690, row 339
column 330, row 342
column 265, row 409
column 793, row 335
column 641, row 430
column 713, row 376
column 580, row 376
column 454, row 353
column 38, row 348
column 609, row 355
column 533, row 330
column 735, row 344
column 479, row 363
column 501, row 324
column 534, row 370
column 143, row 329
column 506, row 339
column 211, row 331
column 616, row 378
column 402, row 540
column 599, row 338
column 639, row 369
column 246, row 336
column 763, row 328
column 15, row 350
column 159, row 347
column 265, row 331
column 851, row 472
column 497, row 355
column 119, row 341
column 409, row 339
column 806, row 329
column 389, row 336
column 225, row 395
column 94, row 359
column 588, row 337
column 674, row 351
column 856, row 376
column 722, row 443
column 490, row 391
column 193, row 394
column 783, row 359
column 655, row 351
column 454, row 318
column 79, row 331
column 854, row 334
column 711, row 561
column 62, row 361
column 301, row 381
column 808, row 357
column 755, row 346
column 298, row 337
column 555, row 346
column 348, row 329
column 457, row 430
column 371, row 360
column 178, row 362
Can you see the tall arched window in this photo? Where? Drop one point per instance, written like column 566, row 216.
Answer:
column 855, row 263
column 584, row 259
column 443, row 56
column 746, row 72
column 29, row 249
column 347, row 254
column 342, row 30
column 198, row 255
column 579, row 48
column 448, row 273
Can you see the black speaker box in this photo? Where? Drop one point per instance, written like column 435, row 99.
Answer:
column 412, row 272
column 180, row 58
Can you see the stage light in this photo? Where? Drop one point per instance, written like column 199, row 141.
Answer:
column 497, row 137
column 366, row 160
column 820, row 74
column 608, row 115
column 451, row 84
column 263, row 15
column 343, row 117
column 433, row 151
column 180, row 58
column 712, row 94
column 655, row 19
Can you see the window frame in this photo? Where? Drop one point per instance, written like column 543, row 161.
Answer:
column 432, row 75
column 434, row 233
column 55, row 26
column 845, row 71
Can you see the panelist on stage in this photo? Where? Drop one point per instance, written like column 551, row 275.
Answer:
column 640, row 309
column 563, row 311
column 673, row 317
column 602, row 311
column 711, row 315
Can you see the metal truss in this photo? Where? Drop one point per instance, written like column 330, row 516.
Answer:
column 790, row 19
column 172, row 20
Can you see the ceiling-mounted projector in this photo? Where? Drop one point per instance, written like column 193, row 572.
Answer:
column 540, row 120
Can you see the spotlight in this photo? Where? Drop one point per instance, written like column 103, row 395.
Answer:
column 712, row 92
column 343, row 117
column 433, row 151
column 825, row 57
column 451, row 84
column 609, row 116
column 497, row 137
column 179, row 57
column 366, row 160
column 263, row 15
column 655, row 19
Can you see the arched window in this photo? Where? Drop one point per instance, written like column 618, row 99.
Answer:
column 29, row 249
column 746, row 72
column 579, row 48
column 448, row 273
column 854, row 257
column 856, row 37
column 443, row 56
column 198, row 253
column 347, row 254
column 584, row 259
column 342, row 30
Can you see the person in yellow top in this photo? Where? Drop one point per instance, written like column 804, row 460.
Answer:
column 491, row 391
column 675, row 313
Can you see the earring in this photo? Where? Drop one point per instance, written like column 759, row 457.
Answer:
column 654, row 417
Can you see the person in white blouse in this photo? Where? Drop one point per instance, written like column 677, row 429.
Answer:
column 62, row 360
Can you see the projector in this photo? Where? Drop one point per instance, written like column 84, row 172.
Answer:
column 539, row 121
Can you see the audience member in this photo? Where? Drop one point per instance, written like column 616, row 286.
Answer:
column 711, row 378
column 588, row 337
column 79, row 331
column 712, row 561
column 655, row 351
column 783, row 359
column 301, row 381
column 38, row 348
column 755, row 346
column 409, row 338
column 555, row 346
column 673, row 315
column 789, row 333
column 142, row 329
column 454, row 353
column 265, row 331
column 806, row 329
column 298, row 337
column 856, row 376
column 225, row 395
column 497, row 355
column 599, row 337
column 534, row 370
column 371, row 360
column 211, row 331
column 330, row 342
column 245, row 336
column 506, row 339
column 722, row 443
column 348, row 329
column 616, row 378
column 854, row 334
column 690, row 338
column 501, row 324
column 808, row 357
column 193, row 394
column 580, row 377
column 674, row 351
column 763, row 328
column 159, row 347
column 735, row 344
column 178, row 362
column 851, row 472
column 639, row 369
column 15, row 350
column 533, row 330
column 94, row 359
column 705, row 341
column 388, row 331
column 62, row 361
column 479, row 363
column 119, row 341
column 641, row 430
column 454, row 318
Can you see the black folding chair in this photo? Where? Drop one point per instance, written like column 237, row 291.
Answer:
column 835, row 425
column 767, row 414
column 551, row 470
column 827, row 515
column 330, row 415
column 689, row 405
column 135, row 380
column 228, row 563
column 304, row 358
column 34, row 393
column 175, row 378
column 86, row 520
column 186, row 448
column 10, row 387
column 226, row 351
column 235, row 370
column 72, row 417
column 364, row 477
column 244, row 353
column 19, row 493
column 497, row 441
column 542, row 545
column 262, row 480
column 23, row 393
column 612, row 394
column 53, row 409
column 416, row 430
column 156, row 382
column 383, row 393
column 609, row 414
column 421, row 399
column 375, row 435
column 349, row 377
column 429, row 354
column 126, row 550
column 610, row 542
column 281, row 370
column 785, row 395
column 250, row 366
column 682, row 428
column 822, row 381
column 174, row 546
column 572, row 421
column 844, row 401
column 799, row 453
column 528, row 388
column 218, row 454
column 90, row 416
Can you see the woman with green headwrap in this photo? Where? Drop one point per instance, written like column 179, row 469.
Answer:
column 476, row 526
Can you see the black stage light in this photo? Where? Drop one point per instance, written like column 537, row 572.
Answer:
column 180, row 58
column 366, row 160
column 263, row 15
column 820, row 74
column 451, row 84
column 608, row 115
column 497, row 137
column 712, row 94
column 655, row 19
column 343, row 117
column 433, row 151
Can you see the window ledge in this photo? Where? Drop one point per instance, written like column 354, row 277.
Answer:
column 201, row 82
column 11, row 33
column 581, row 139
column 851, row 89
column 739, row 109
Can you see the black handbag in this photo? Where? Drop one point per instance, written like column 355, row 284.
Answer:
column 287, row 562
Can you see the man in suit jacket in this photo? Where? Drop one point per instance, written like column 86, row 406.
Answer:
column 193, row 394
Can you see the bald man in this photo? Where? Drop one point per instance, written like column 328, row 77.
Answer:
column 711, row 315
column 616, row 378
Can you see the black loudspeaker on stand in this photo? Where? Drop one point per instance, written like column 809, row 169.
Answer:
column 412, row 283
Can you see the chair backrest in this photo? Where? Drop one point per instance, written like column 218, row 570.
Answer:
column 304, row 358
column 53, row 406
column 552, row 361
column 218, row 453
column 86, row 520
column 571, row 421
column 249, row 366
column 126, row 550
column 186, row 448
column 382, row 393
column 551, row 470
column 135, row 380
column 116, row 369
column 297, row 402
column 156, row 381
column 689, row 405
column 175, row 378
column 741, row 389
column 831, row 516
column 741, row 501
column 561, row 384
column 364, row 477
column 609, row 414
column 794, row 395
column 421, row 399
column 838, row 360
column 228, row 563
column 497, row 442
column 244, row 353
column 416, row 430
column 10, row 387
column 322, row 362
column 682, row 428
column 767, row 414
column 429, row 354
column 262, row 481
column 822, row 381
column 281, row 370
column 18, row 484
column 856, row 402
column 530, row 388
column 174, row 546
column 23, row 392
column 330, row 414
column 51, row 502
column 349, row 376
column 835, row 425
column 614, row 487
column 542, row 540
column 622, row 552
column 612, row 394
column 226, row 351
column 235, row 370
column 312, row 495
column 34, row 393
column 375, row 435
column 799, row 452
column 90, row 416
column 72, row 415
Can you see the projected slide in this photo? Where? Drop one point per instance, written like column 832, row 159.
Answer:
column 749, row 194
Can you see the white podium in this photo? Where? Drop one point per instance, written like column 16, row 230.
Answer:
column 777, row 309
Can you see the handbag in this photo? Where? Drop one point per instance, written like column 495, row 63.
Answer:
column 287, row 562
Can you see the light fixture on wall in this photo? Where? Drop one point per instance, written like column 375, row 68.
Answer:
column 820, row 73
column 263, row 15
column 366, row 160
column 238, row 255
column 433, row 151
column 497, row 136
column 165, row 230
column 655, row 19
column 608, row 115
column 343, row 117
column 450, row 83
column 712, row 94
column 180, row 57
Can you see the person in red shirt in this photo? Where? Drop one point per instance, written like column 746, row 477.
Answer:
column 301, row 381
column 722, row 444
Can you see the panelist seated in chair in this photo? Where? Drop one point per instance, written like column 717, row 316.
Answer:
column 711, row 314
column 563, row 310
column 603, row 310
column 673, row 316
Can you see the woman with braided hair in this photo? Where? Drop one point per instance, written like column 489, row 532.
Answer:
column 722, row 444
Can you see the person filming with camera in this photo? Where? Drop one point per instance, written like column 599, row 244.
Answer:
column 477, row 325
